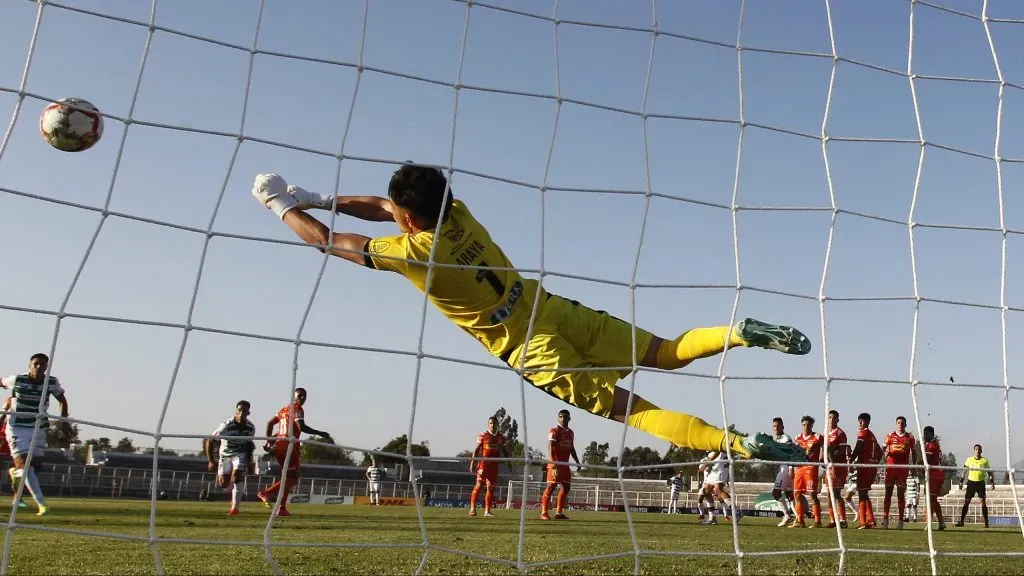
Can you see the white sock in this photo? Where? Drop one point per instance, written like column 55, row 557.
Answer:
column 701, row 508
column 786, row 504
column 32, row 483
column 236, row 495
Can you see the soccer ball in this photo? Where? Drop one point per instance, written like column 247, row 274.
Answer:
column 71, row 124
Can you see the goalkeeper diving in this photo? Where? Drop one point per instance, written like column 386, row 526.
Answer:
column 478, row 289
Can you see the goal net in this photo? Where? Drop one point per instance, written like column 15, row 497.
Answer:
column 847, row 168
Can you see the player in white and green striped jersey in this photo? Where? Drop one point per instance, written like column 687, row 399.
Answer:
column 30, row 401
column 911, row 495
column 236, row 450
column 374, row 474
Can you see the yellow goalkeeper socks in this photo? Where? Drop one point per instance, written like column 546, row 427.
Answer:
column 683, row 430
column 694, row 344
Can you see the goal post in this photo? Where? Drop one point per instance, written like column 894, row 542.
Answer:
column 582, row 496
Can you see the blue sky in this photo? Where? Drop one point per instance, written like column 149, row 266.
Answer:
column 119, row 373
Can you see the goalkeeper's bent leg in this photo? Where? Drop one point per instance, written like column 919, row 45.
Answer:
column 682, row 430
column 703, row 342
column 694, row 344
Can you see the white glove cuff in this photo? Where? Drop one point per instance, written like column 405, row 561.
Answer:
column 282, row 204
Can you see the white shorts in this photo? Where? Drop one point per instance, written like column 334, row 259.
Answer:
column 912, row 502
column 19, row 438
column 784, row 480
column 230, row 463
column 374, row 486
column 711, row 479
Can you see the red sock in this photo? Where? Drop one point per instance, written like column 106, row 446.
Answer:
column 473, row 497
column 546, row 499
column 937, row 508
column 842, row 510
column 816, row 511
column 798, row 503
column 862, row 509
column 901, row 501
column 488, row 498
column 272, row 491
column 869, row 509
column 563, row 494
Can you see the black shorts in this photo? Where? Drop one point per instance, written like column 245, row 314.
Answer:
column 975, row 488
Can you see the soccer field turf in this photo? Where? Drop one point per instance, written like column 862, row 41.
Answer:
column 586, row 534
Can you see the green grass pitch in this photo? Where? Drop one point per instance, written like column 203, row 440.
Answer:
column 54, row 551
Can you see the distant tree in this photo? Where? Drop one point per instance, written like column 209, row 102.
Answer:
column 163, row 451
column 124, row 445
column 101, row 444
column 642, row 456
column 315, row 454
column 465, row 454
column 509, row 428
column 687, row 456
column 398, row 445
column 55, row 439
column 596, row 454
column 949, row 459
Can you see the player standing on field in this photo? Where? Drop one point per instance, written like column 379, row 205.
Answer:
column 489, row 444
column 974, row 470
column 782, row 491
column 866, row 453
column 912, row 487
column 838, row 453
column 561, row 445
column 936, row 478
column 374, row 474
column 30, row 397
column 805, row 479
column 236, row 451
column 675, row 486
column 705, row 486
column 477, row 288
column 898, row 450
column 287, row 427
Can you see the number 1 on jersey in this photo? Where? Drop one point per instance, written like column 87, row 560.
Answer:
column 491, row 278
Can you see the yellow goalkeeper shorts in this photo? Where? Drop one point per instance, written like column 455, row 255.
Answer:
column 569, row 335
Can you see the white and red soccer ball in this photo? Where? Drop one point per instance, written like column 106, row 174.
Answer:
column 71, row 124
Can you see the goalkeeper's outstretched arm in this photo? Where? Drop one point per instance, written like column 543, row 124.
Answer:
column 274, row 193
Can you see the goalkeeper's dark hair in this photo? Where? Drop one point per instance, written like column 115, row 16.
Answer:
column 423, row 191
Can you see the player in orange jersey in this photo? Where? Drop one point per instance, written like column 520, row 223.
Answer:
column 287, row 427
column 838, row 453
column 866, row 453
column 489, row 444
column 933, row 456
column 561, row 445
column 898, row 450
column 805, row 479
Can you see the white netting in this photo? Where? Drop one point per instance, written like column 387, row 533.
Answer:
column 681, row 205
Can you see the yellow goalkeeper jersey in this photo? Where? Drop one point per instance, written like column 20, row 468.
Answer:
column 492, row 305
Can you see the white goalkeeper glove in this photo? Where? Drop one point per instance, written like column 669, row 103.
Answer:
column 272, row 191
column 307, row 199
